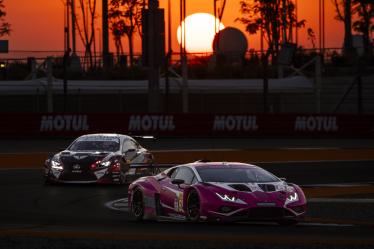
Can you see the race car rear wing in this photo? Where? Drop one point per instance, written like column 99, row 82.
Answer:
column 162, row 165
column 152, row 165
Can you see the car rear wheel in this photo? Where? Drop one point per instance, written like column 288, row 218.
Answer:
column 193, row 206
column 137, row 205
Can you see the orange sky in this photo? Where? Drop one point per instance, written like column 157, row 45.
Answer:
column 38, row 24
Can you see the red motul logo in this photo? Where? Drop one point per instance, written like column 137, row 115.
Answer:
column 64, row 123
column 316, row 123
column 235, row 123
column 151, row 123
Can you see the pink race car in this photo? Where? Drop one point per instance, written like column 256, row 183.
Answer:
column 216, row 191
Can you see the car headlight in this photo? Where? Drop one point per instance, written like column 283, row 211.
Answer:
column 56, row 164
column 225, row 197
column 292, row 198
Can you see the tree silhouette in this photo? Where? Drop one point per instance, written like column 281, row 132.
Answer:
column 125, row 18
column 273, row 18
column 344, row 11
column 312, row 37
column 364, row 25
column 85, row 24
column 4, row 26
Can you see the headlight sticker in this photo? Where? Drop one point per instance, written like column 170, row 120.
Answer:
column 292, row 198
column 226, row 197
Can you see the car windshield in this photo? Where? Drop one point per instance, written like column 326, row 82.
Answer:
column 99, row 144
column 236, row 175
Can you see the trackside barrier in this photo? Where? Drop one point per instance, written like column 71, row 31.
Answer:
column 36, row 160
column 188, row 125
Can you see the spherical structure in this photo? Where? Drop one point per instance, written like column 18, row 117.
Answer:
column 199, row 32
column 230, row 41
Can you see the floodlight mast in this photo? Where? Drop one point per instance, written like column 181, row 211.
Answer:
column 183, row 57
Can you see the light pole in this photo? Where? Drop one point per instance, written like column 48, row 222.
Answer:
column 185, row 97
column 73, row 21
column 167, row 61
column 105, row 34
column 66, row 56
column 297, row 21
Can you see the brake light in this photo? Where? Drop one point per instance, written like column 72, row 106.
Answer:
column 116, row 167
column 94, row 165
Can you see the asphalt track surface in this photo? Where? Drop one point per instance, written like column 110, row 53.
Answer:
column 31, row 209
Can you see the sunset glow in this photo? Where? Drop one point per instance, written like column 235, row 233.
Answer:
column 199, row 32
column 39, row 24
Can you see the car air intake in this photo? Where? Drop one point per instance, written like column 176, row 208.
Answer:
column 241, row 187
column 267, row 187
column 268, row 212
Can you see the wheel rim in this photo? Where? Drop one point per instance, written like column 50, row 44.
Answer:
column 137, row 204
column 193, row 207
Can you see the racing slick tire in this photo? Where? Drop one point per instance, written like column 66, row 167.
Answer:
column 193, row 206
column 287, row 222
column 137, row 205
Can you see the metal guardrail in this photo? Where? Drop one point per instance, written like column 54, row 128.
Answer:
column 23, row 55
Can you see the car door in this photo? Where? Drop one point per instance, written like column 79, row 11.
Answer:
column 172, row 195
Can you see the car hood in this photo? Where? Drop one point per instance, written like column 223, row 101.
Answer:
column 85, row 158
column 275, row 193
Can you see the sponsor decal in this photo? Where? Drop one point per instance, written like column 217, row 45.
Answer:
column 235, row 123
column 151, row 123
column 76, row 166
column 111, row 138
column 99, row 174
column 266, row 204
column 316, row 123
column 64, row 123
column 76, row 169
column 178, row 202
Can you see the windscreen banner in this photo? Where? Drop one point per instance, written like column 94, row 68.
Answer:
column 188, row 125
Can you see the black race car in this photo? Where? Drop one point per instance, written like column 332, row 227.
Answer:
column 97, row 158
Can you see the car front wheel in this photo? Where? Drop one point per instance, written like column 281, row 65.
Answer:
column 137, row 205
column 193, row 206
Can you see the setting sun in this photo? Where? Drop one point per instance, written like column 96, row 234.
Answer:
column 199, row 32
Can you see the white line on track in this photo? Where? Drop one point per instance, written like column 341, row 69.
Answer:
column 313, row 224
column 339, row 185
column 118, row 205
column 317, row 161
column 340, row 200
column 122, row 205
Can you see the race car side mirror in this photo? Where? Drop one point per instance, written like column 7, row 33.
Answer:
column 283, row 179
column 177, row 181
